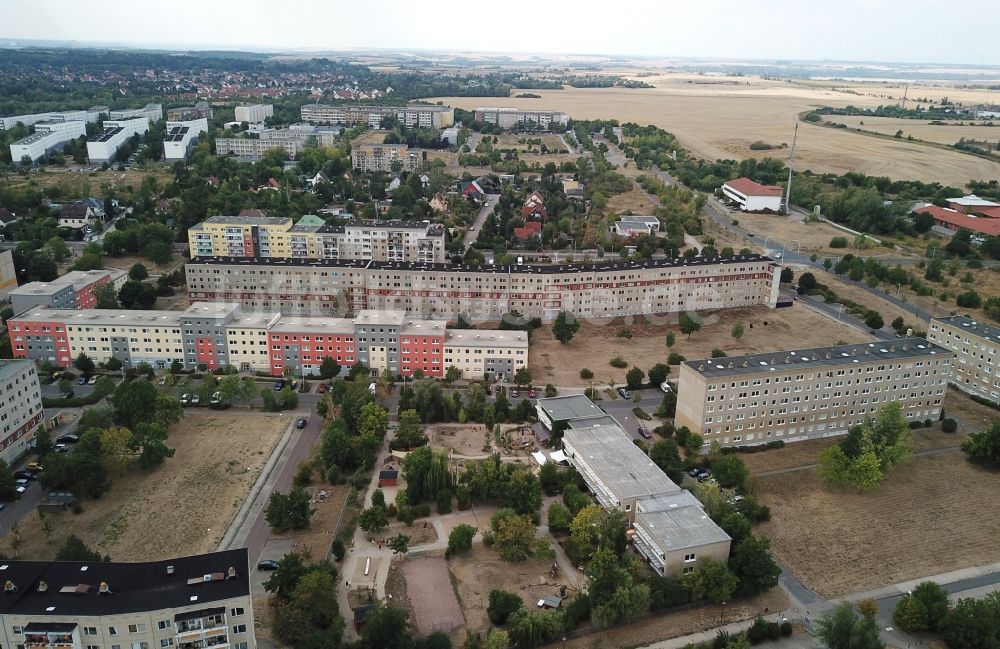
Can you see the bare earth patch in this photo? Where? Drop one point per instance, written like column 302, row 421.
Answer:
column 432, row 598
column 189, row 501
column 598, row 342
column 935, row 514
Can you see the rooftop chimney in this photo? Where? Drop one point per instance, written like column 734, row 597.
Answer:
column 42, row 586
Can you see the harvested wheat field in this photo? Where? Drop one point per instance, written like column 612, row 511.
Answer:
column 722, row 117
column 934, row 514
column 218, row 459
column 598, row 342
column 948, row 133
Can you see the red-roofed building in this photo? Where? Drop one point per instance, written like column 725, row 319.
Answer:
column 530, row 229
column 953, row 220
column 752, row 196
column 534, row 207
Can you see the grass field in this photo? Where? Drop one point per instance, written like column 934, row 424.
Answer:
column 722, row 118
column 935, row 514
column 948, row 133
column 596, row 344
column 182, row 508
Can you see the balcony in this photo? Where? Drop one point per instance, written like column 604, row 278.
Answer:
column 218, row 641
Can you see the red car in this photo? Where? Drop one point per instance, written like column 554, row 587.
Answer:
column 323, row 387
column 532, row 394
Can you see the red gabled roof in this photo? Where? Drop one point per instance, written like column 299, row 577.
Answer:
column 981, row 225
column 530, row 229
column 991, row 212
column 534, row 209
column 748, row 187
column 273, row 182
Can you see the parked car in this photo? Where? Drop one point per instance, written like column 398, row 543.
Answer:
column 185, row 399
column 301, row 423
column 267, row 564
column 22, row 482
column 69, row 394
column 68, row 438
column 514, row 393
column 82, row 380
column 532, row 393
column 279, row 386
column 666, row 387
column 195, row 399
column 323, row 388
column 62, row 448
column 625, row 394
column 92, row 380
column 20, row 488
column 704, row 475
column 645, row 432
column 35, row 466
column 695, row 471
column 216, row 398
column 24, row 474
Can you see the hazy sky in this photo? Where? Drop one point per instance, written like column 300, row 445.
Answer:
column 856, row 30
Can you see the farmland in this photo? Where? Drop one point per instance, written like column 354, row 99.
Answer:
column 723, row 117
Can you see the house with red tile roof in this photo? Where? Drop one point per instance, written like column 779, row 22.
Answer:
column 530, row 229
column 954, row 220
column 751, row 196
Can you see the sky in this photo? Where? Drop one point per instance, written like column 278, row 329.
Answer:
column 894, row 31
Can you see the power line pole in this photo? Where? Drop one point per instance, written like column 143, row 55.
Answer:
column 791, row 161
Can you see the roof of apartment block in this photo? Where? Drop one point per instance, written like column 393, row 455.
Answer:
column 596, row 420
column 105, row 135
column 818, row 357
column 972, row 327
column 244, row 220
column 9, row 367
column 304, row 324
column 572, row 406
column 485, row 338
column 72, row 587
column 623, row 468
column 120, row 317
column 680, row 525
column 78, row 279
column 539, row 269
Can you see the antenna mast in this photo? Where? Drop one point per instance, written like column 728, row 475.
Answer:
column 905, row 92
column 791, row 161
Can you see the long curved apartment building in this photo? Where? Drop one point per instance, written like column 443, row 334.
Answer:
column 342, row 287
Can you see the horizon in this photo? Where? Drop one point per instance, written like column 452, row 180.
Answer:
column 851, row 32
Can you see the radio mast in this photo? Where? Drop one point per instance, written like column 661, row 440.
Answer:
column 791, row 161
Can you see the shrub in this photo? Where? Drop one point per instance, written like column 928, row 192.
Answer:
column 625, row 333
column 838, row 242
column 675, row 359
column 502, row 605
column 786, row 628
column 618, row 362
column 969, row 300
column 337, row 549
column 586, row 374
column 949, row 425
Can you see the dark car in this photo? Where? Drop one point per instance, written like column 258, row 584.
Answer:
column 69, row 438
column 695, row 471
column 267, row 564
column 645, row 432
column 279, row 386
column 82, row 380
column 301, row 423
column 24, row 474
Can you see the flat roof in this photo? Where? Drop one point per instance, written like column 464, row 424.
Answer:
column 817, row 357
column 77, row 279
column 972, row 201
column 373, row 317
column 972, row 327
column 485, row 338
column 118, row 317
column 9, row 367
column 623, row 468
column 106, row 134
column 296, row 324
column 540, row 269
column 680, row 525
column 595, row 420
column 134, row 587
column 571, row 406
column 248, row 220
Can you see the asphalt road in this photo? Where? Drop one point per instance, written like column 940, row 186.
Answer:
column 477, row 225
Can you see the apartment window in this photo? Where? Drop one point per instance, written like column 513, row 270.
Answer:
column 240, row 628
column 236, row 611
column 164, row 624
column 688, row 570
column 16, row 630
column 688, row 558
column 90, row 630
column 167, row 642
column 241, row 645
column 93, row 646
column 140, row 645
column 112, row 630
column 137, row 628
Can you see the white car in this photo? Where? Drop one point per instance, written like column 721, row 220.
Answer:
column 666, row 387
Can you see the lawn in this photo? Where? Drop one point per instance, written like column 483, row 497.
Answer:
column 179, row 509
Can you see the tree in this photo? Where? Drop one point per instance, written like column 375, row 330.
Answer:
column 43, row 445
column 973, row 623
column 658, row 374
column 502, row 605
column 873, row 320
column 138, row 272
column 117, row 445
column 710, row 580
column 668, row 405
column 387, row 626
column 753, row 565
column 633, row 378
column 57, row 249
column 522, row 376
column 807, row 282
column 559, row 518
column 136, row 295
column 399, row 544
column 329, row 368
column 460, row 538
column 737, row 331
column 289, row 511
column 688, row 325
column 452, row 374
column 730, row 471
column 373, row 519
column 671, row 339
column 8, row 489
column 84, row 364
column 984, row 447
column 666, row 455
column 565, row 327
column 910, row 614
column 513, row 535
column 845, row 629
column 282, row 581
column 106, row 296
column 74, row 549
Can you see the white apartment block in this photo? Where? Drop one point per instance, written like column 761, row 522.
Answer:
column 514, row 117
column 292, row 140
column 255, row 113
column 423, row 116
column 436, row 291
column 90, row 115
column 20, row 407
column 48, row 136
column 976, row 369
column 810, row 393
column 670, row 528
column 181, row 137
column 152, row 112
column 187, row 603
column 380, row 157
column 103, row 146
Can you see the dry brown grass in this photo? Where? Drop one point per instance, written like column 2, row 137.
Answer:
column 328, row 503
column 858, row 294
column 986, row 282
column 595, row 345
column 722, row 118
column 634, row 200
column 798, row 235
column 510, row 141
column 934, row 514
column 179, row 509
column 949, row 133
